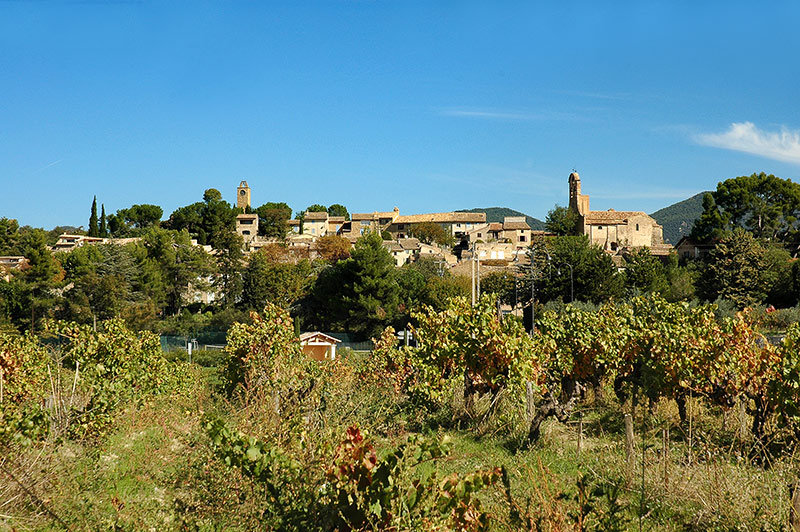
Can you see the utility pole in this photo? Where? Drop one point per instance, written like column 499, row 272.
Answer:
column 478, row 279
column 533, row 289
column 472, row 275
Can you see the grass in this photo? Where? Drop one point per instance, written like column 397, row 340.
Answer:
column 155, row 471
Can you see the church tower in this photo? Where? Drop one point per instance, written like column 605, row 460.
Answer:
column 577, row 201
column 243, row 196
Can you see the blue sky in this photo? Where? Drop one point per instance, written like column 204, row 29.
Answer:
column 427, row 106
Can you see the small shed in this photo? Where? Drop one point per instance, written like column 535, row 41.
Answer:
column 319, row 346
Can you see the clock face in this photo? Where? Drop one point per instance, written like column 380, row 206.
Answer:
column 242, row 192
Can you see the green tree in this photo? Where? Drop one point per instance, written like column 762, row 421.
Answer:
column 9, row 236
column 337, row 209
column 42, row 273
column 735, row 270
column 430, row 233
column 316, row 208
column 189, row 217
column 230, row 265
column 103, row 227
column 681, row 280
column 712, row 224
column 211, row 195
column 644, row 273
column 333, row 248
column 171, row 267
column 272, row 218
column 94, row 230
column 777, row 276
column 501, row 283
column 360, row 294
column 102, row 279
column 205, row 220
column 594, row 275
column 562, row 221
column 280, row 283
column 440, row 284
column 142, row 216
column 766, row 205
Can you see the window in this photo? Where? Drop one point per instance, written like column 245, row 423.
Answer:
column 613, row 246
column 637, row 227
column 599, row 226
column 245, row 232
column 522, row 238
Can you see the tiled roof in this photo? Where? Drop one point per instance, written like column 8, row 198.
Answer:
column 373, row 215
column 316, row 215
column 611, row 216
column 409, row 243
column 515, row 226
column 495, row 226
column 391, row 245
column 443, row 217
column 309, row 335
column 336, row 219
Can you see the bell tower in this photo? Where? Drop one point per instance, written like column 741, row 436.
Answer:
column 577, row 201
column 243, row 196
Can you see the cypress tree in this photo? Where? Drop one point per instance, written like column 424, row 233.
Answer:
column 103, row 228
column 93, row 229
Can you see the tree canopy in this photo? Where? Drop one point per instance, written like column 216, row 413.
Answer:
column 432, row 233
column 562, row 221
column 272, row 218
column 766, row 205
column 338, row 209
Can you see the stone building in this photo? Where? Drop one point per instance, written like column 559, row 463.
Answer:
column 243, row 196
column 247, row 227
column 615, row 231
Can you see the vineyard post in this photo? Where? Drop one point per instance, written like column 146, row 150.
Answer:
column 1, row 385
column 794, row 509
column 529, row 406
column 75, row 381
column 691, row 416
column 629, row 447
column 742, row 424
column 580, row 433
column 665, row 455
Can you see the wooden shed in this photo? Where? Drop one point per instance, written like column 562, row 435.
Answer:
column 319, row 346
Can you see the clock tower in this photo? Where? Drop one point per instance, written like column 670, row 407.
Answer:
column 243, row 196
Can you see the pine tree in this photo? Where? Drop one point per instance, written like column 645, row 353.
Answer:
column 93, row 229
column 103, row 228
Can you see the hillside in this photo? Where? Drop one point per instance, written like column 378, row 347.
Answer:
column 678, row 218
column 496, row 214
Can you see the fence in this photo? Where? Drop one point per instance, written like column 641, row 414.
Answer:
column 216, row 340
column 200, row 340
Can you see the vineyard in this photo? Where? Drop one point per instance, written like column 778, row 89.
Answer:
column 647, row 415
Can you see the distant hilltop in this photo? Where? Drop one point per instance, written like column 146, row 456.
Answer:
column 678, row 218
column 498, row 214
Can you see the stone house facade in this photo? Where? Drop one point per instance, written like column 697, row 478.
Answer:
column 615, row 231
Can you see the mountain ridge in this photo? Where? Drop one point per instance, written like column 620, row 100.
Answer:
column 496, row 214
column 677, row 219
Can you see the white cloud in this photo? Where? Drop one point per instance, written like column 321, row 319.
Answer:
column 487, row 114
column 783, row 145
